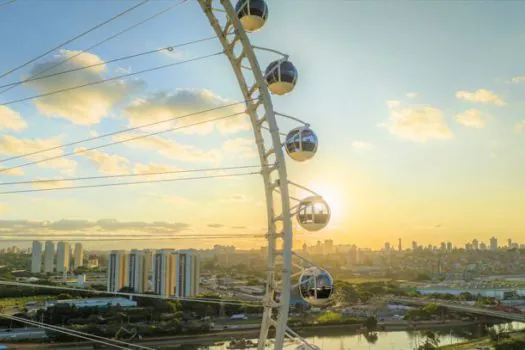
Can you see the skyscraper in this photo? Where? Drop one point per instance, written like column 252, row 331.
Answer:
column 117, row 270
column 414, row 245
column 139, row 265
column 63, row 251
column 176, row 273
column 399, row 245
column 475, row 244
column 49, row 256
column 36, row 257
column 493, row 243
column 79, row 255
column 449, row 246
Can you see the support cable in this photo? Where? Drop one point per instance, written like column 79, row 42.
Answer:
column 100, row 43
column 32, row 182
column 63, row 331
column 114, row 184
column 151, row 296
column 123, row 58
column 74, row 38
column 120, row 132
column 84, row 150
column 97, row 82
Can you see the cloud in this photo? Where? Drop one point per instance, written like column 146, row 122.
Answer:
column 363, row 145
column 32, row 228
column 516, row 80
column 154, row 168
column 520, row 126
column 411, row 95
column 11, row 172
column 418, row 124
column 172, row 149
column 472, row 118
column 10, row 119
column 108, row 164
column 13, row 146
column 50, row 183
column 162, row 106
column 84, row 106
column 481, row 96
column 393, row 103
column 236, row 197
column 238, row 227
column 240, row 148
column 216, row 225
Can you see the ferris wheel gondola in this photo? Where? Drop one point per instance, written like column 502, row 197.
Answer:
column 252, row 14
column 281, row 77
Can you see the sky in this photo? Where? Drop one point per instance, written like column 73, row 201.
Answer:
column 417, row 106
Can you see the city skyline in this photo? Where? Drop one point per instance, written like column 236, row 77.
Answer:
column 431, row 151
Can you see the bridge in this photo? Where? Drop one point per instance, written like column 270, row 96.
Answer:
column 460, row 307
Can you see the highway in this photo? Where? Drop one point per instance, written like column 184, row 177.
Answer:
column 460, row 307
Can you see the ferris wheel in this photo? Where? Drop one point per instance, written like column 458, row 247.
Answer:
column 312, row 213
column 285, row 269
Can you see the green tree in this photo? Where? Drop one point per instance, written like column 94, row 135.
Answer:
column 370, row 323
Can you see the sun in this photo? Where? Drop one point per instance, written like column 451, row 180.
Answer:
column 332, row 196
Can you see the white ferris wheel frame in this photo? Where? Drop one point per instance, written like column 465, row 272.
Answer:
column 231, row 35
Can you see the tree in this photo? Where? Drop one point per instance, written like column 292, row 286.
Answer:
column 64, row 296
column 370, row 323
column 431, row 341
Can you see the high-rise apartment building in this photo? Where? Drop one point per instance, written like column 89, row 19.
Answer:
column 493, row 243
column 79, row 255
column 138, row 270
column 475, row 244
column 63, row 256
column 117, row 270
column 36, row 257
column 49, row 256
column 176, row 273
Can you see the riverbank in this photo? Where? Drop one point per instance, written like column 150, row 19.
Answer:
column 251, row 331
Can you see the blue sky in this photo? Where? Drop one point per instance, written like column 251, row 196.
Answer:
column 413, row 104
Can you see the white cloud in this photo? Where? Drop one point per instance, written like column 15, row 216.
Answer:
column 393, row 103
column 240, row 148
column 481, row 96
column 13, row 146
column 84, row 106
column 418, row 124
column 109, row 164
column 50, row 183
column 363, row 145
column 411, row 95
column 518, row 79
column 154, row 168
column 472, row 118
column 12, row 172
column 520, row 126
column 162, row 106
column 10, row 119
column 172, row 149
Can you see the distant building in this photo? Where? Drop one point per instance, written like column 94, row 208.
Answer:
column 449, row 246
column 93, row 302
column 63, row 251
column 139, row 265
column 400, row 245
column 49, row 256
column 493, row 243
column 176, row 273
column 79, row 255
column 387, row 246
column 117, row 270
column 414, row 245
column 475, row 244
column 328, row 246
column 36, row 257
column 482, row 246
column 443, row 246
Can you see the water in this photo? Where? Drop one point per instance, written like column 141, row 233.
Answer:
column 339, row 339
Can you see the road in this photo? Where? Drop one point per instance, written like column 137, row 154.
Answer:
column 462, row 308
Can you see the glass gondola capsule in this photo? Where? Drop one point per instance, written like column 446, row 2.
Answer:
column 252, row 14
column 281, row 77
column 316, row 286
column 313, row 213
column 301, row 144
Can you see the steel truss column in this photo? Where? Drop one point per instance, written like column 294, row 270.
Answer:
column 274, row 178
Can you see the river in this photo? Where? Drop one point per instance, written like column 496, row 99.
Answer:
column 337, row 339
